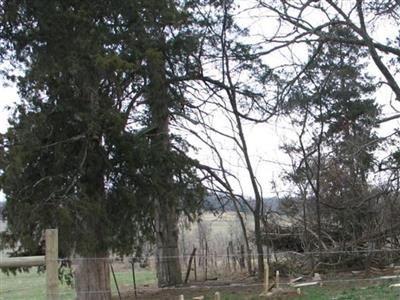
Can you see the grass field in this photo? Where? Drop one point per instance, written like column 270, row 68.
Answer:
column 378, row 292
column 32, row 285
column 337, row 291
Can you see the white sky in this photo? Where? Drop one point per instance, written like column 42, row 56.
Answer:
column 264, row 140
column 8, row 96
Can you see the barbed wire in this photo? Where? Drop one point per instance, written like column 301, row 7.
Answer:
column 119, row 259
column 236, row 254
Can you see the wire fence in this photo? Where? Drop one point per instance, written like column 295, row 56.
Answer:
column 265, row 254
column 207, row 289
column 217, row 276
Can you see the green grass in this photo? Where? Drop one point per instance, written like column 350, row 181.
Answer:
column 334, row 293
column 337, row 292
column 32, row 285
column 376, row 292
column 233, row 296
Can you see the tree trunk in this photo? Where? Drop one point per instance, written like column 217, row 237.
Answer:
column 318, row 185
column 167, row 253
column 259, row 247
column 257, row 194
column 92, row 279
column 165, row 202
column 244, row 231
column 242, row 259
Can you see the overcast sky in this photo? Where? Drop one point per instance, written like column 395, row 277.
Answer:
column 264, row 139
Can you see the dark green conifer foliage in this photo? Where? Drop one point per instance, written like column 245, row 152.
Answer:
column 94, row 73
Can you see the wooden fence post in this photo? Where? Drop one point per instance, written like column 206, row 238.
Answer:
column 217, row 296
column 181, row 297
column 266, row 283
column 190, row 265
column 277, row 280
column 51, row 259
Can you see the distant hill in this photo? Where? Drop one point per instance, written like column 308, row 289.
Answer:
column 214, row 202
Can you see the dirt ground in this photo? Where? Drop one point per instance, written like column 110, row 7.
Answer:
column 246, row 288
column 190, row 293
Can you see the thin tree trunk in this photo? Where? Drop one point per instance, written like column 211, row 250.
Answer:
column 318, row 191
column 257, row 195
column 310, row 173
column 228, row 261
column 231, row 93
column 246, row 239
column 242, row 260
column 206, row 261
column 259, row 247
column 195, row 267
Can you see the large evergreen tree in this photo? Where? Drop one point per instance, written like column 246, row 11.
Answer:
column 59, row 155
column 168, row 39
column 82, row 154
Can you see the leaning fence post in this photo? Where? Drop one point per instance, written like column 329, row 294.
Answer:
column 181, row 297
column 51, row 259
column 217, row 296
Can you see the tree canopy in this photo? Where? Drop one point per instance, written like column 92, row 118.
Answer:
column 80, row 154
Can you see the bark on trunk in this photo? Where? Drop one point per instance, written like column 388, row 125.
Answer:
column 92, row 276
column 167, row 253
column 165, row 202
column 259, row 246
column 92, row 279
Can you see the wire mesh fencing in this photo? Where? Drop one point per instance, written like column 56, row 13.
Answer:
column 228, row 275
